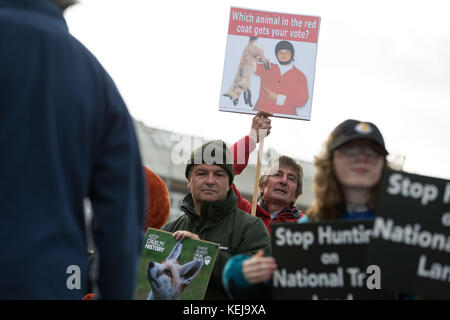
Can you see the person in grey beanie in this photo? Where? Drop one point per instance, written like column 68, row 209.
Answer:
column 211, row 212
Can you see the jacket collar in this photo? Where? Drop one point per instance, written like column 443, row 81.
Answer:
column 211, row 211
column 290, row 210
column 43, row 7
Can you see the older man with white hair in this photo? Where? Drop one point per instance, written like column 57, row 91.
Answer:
column 280, row 183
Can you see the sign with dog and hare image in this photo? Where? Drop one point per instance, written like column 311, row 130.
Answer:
column 174, row 270
column 270, row 63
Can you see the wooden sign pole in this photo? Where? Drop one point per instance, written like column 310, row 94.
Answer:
column 258, row 173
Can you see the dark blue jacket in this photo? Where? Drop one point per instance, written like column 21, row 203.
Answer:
column 65, row 135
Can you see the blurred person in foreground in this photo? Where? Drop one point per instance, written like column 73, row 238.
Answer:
column 65, row 136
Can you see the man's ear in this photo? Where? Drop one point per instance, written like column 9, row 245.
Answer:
column 261, row 189
column 189, row 180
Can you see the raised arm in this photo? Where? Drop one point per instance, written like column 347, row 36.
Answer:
column 261, row 125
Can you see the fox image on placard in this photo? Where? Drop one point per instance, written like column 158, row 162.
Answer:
column 169, row 279
column 247, row 67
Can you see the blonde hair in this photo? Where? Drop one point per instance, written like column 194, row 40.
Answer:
column 329, row 203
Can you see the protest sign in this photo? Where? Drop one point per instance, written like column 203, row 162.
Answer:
column 411, row 235
column 270, row 63
column 325, row 261
column 171, row 270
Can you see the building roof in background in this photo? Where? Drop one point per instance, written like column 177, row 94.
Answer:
column 162, row 152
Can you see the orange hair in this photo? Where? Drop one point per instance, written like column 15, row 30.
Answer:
column 158, row 201
column 157, row 209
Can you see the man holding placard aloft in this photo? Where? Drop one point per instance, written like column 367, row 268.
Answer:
column 280, row 184
column 282, row 89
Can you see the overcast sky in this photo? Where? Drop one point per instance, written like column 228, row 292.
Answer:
column 387, row 62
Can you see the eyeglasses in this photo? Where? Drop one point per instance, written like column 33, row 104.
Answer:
column 354, row 151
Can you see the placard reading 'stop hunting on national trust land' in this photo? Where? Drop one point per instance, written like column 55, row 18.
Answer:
column 325, row 260
column 411, row 235
column 270, row 63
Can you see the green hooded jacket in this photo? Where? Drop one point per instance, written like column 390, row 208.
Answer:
column 223, row 222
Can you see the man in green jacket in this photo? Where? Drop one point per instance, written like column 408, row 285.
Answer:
column 211, row 212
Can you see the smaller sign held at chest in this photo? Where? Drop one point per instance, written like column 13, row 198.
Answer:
column 174, row 270
column 325, row 261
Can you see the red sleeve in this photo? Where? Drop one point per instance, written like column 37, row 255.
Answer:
column 241, row 151
column 246, row 206
column 242, row 203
